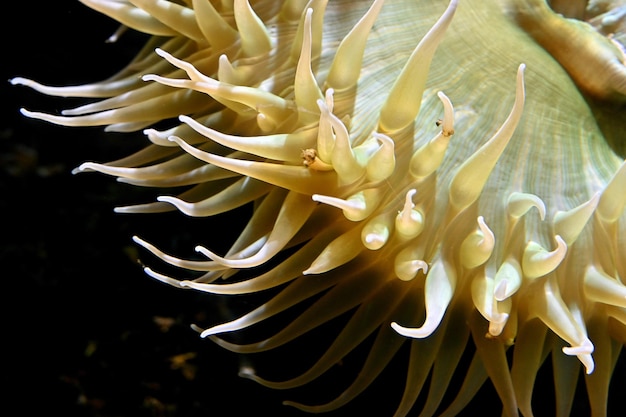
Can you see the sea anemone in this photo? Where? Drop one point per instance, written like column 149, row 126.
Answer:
column 490, row 215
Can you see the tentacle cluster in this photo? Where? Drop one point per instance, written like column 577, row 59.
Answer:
column 416, row 232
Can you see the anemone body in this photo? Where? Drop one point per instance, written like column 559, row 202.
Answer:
column 492, row 214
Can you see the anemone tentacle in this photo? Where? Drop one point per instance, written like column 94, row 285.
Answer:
column 493, row 214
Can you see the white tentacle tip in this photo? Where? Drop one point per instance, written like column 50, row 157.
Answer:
column 203, row 250
column 19, row 81
column 414, row 332
column 149, row 77
column 84, row 167
column 583, row 353
column 26, row 113
column 186, row 119
column 206, row 333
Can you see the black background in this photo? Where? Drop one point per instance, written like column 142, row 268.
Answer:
column 80, row 336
